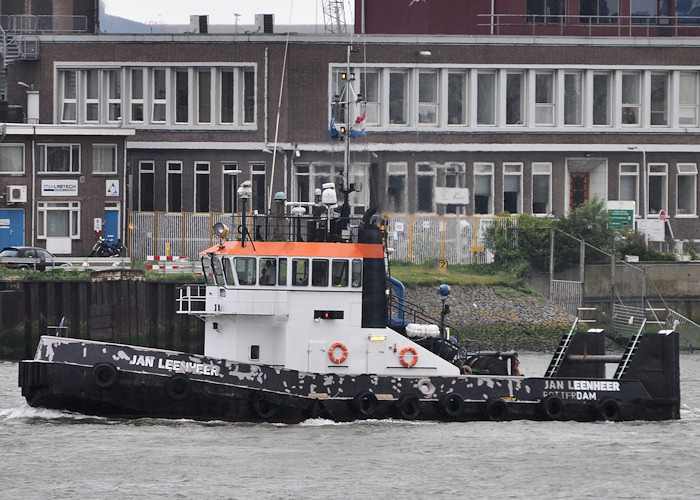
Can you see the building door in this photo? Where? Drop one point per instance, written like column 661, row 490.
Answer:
column 11, row 227
column 111, row 229
column 578, row 189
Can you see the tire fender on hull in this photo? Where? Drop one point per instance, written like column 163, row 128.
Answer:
column 262, row 407
column 178, row 387
column 365, row 404
column 496, row 410
column 408, row 407
column 608, row 410
column 104, row 375
column 452, row 405
column 552, row 408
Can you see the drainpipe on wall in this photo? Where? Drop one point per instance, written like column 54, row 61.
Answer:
column 124, row 207
column 33, row 185
column 267, row 64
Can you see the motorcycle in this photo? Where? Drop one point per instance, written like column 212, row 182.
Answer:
column 102, row 248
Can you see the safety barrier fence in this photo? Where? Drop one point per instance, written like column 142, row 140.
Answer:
column 413, row 238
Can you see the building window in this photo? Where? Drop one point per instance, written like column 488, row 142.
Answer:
column 369, row 88
column 174, row 186
column 428, row 98
column 688, row 100
column 425, row 188
column 136, row 90
column 201, row 186
column 486, row 99
column 544, row 99
column 456, row 99
column 601, row 98
column 398, row 104
column 541, row 188
column 483, row 188
column 629, row 183
column 230, row 172
column 91, row 82
column 686, row 189
column 204, row 96
column 687, row 12
column 631, row 98
column 455, row 178
column 67, row 83
column 58, row 219
column 104, row 158
column 658, row 183
column 643, row 11
column 546, row 11
column 397, row 174
column 227, row 100
column 512, row 187
column 259, row 183
column 599, row 11
column 515, row 99
column 248, row 96
column 159, row 95
column 59, row 158
column 359, row 199
column 573, row 99
column 11, row 158
column 659, row 99
column 182, row 96
column 146, row 185
column 114, row 95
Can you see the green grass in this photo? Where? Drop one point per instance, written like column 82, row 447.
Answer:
column 428, row 274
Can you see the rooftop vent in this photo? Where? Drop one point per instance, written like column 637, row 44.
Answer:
column 199, row 24
column 264, row 23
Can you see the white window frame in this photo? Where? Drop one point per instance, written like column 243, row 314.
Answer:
column 173, row 167
column 425, row 170
column 137, row 101
column 485, row 169
column 543, row 169
column 634, row 104
column 630, row 170
column 201, row 169
column 113, row 156
column 398, row 169
column 428, row 107
column 658, row 170
column 74, row 156
column 513, row 169
column 147, row 167
column 6, row 161
column 687, row 170
column 666, row 111
column 545, row 105
column 688, row 99
column 455, row 119
column 73, row 207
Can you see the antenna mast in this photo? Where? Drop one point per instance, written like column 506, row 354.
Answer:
column 334, row 16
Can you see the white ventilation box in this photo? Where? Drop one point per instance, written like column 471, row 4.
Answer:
column 16, row 194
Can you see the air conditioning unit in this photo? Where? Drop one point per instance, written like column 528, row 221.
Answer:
column 16, row 194
column 199, row 24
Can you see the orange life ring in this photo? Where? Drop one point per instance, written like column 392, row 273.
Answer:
column 403, row 353
column 331, row 353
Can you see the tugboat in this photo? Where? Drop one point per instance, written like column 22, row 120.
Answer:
column 308, row 323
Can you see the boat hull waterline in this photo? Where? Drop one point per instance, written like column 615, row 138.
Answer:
column 114, row 380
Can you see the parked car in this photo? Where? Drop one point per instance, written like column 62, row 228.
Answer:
column 22, row 257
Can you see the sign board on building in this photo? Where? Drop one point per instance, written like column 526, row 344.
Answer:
column 111, row 188
column 59, row 187
column 621, row 214
column 452, row 196
column 652, row 228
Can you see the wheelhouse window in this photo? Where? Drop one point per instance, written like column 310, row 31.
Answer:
column 146, row 185
column 59, row 158
column 11, row 158
column 58, row 219
column 300, row 272
column 245, row 270
column 629, row 183
column 658, row 187
column 541, row 188
column 686, row 189
column 483, row 188
column 340, row 273
column 319, row 272
column 104, row 158
column 357, row 273
column 268, row 271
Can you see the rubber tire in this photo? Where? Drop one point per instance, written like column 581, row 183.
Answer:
column 104, row 375
column 552, row 408
column 178, row 387
column 609, row 410
column 262, row 407
column 452, row 405
column 365, row 404
column 496, row 410
column 408, row 407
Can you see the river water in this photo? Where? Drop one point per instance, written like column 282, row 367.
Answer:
column 55, row 454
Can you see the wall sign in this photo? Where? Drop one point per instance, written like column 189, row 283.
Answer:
column 59, row 187
column 111, row 188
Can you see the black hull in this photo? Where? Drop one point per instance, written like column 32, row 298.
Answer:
column 107, row 380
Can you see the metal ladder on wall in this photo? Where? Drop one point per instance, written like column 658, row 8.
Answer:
column 561, row 351
column 630, row 351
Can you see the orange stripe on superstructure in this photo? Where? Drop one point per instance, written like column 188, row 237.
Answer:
column 299, row 249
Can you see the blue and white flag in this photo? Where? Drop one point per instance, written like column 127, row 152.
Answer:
column 333, row 132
